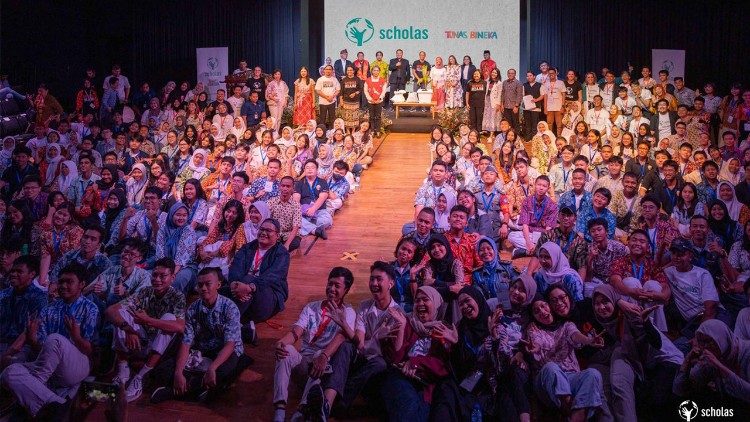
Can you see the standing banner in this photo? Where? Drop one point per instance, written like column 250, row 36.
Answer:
column 212, row 67
column 671, row 60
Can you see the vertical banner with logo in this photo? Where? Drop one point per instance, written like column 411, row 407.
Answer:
column 212, row 67
column 670, row 60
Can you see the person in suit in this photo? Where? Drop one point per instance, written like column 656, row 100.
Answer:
column 663, row 122
column 399, row 72
column 341, row 64
column 467, row 70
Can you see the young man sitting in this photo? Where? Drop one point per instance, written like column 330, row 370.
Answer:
column 613, row 179
column 120, row 281
column 323, row 326
column 63, row 336
column 597, row 209
column 19, row 302
column 576, row 198
column 560, row 173
column 573, row 245
column 145, row 324
column 338, row 187
column 538, row 213
column 600, row 256
column 311, row 192
column 211, row 347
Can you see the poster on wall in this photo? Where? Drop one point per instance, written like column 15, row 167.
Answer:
column 212, row 67
column 670, row 60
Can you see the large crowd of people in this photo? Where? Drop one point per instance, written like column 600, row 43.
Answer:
column 154, row 229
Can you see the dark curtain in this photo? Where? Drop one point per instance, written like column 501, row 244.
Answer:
column 155, row 41
column 587, row 35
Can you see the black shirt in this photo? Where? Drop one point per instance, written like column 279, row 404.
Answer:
column 309, row 192
column 257, row 85
column 351, row 86
column 572, row 90
column 476, row 92
column 535, row 91
column 14, row 176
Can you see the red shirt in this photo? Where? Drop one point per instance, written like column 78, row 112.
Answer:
column 374, row 89
column 465, row 250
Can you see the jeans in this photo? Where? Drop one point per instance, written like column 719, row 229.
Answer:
column 9, row 92
column 688, row 328
column 60, row 365
column 363, row 373
column 585, row 388
column 322, row 219
column 260, row 308
column 404, row 401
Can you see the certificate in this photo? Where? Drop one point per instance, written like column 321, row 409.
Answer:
column 528, row 102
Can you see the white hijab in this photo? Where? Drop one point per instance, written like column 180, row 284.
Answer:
column 199, row 170
column 63, row 181
column 54, row 164
column 733, row 205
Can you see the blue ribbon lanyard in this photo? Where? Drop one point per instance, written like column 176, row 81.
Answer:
column 488, row 206
column 147, row 227
column 652, row 240
column 473, row 349
column 57, row 240
column 538, row 214
column 565, row 248
column 565, row 178
column 639, row 273
column 312, row 186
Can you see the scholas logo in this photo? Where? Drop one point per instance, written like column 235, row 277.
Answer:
column 361, row 30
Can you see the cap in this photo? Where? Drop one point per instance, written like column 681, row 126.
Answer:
column 567, row 210
column 680, row 245
column 490, row 168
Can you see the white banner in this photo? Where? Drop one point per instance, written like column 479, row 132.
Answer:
column 670, row 60
column 212, row 67
column 439, row 27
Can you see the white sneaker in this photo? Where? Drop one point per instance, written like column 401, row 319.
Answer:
column 135, row 389
column 123, row 375
column 279, row 415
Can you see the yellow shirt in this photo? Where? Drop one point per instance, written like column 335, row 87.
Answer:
column 383, row 68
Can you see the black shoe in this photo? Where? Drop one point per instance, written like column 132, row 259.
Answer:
column 321, row 233
column 518, row 253
column 53, row 411
column 162, row 394
column 317, row 406
column 249, row 334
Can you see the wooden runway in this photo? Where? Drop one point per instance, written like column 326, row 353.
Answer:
column 369, row 224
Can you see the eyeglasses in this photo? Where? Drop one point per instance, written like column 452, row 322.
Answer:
column 558, row 299
column 267, row 231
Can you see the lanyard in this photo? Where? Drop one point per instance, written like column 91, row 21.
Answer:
column 473, row 349
column 652, row 240
column 262, row 156
column 147, row 228
column 256, row 261
column 436, row 191
column 566, row 174
column 222, row 187
column 57, row 240
column 565, row 248
column 400, row 286
column 312, row 187
column 325, row 320
column 525, row 190
column 643, row 168
column 539, row 213
column 487, row 204
column 639, row 273
column 20, row 176
column 672, row 195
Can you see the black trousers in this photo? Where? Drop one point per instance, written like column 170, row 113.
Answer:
column 164, row 373
column 512, row 117
column 327, row 115
column 476, row 115
column 260, row 308
column 530, row 120
column 375, row 116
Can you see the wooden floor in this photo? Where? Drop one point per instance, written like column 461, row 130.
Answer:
column 369, row 224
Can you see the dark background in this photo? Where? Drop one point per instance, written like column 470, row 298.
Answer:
column 54, row 41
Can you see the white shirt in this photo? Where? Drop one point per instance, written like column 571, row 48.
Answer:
column 236, row 104
column 372, row 322
column 597, row 119
column 665, row 126
column 328, row 86
column 124, row 83
column 312, row 322
column 691, row 289
column 555, row 92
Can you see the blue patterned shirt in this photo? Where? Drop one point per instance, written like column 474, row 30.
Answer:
column 340, row 187
column 706, row 193
column 210, row 329
column 15, row 310
column 587, row 213
column 568, row 199
column 112, row 276
column 259, row 184
column 83, row 310
column 94, row 267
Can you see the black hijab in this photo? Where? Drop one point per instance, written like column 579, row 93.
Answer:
column 115, row 177
column 723, row 228
column 474, row 330
column 442, row 269
column 111, row 214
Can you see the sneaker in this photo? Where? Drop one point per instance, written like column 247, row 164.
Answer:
column 518, row 253
column 161, row 394
column 317, row 405
column 298, row 416
column 321, row 233
column 135, row 389
column 123, row 375
column 249, row 334
column 279, row 415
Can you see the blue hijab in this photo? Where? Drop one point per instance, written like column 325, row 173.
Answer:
column 173, row 233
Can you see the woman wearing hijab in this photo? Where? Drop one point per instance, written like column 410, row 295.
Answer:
column 6, row 153
column 111, row 219
column 722, row 224
column 18, row 225
column 257, row 213
column 136, row 183
column 445, row 201
column 468, row 354
column 442, row 271
column 738, row 211
column 177, row 240
column 494, row 278
column 555, row 269
column 732, row 171
column 642, row 353
column 319, row 139
column 558, row 378
column 717, row 369
column 195, row 169
column 418, row 357
column 68, row 175
column 286, row 139
column 218, row 246
column 543, row 147
column 325, row 161
column 50, row 167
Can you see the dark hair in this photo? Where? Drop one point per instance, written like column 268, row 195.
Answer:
column 97, row 228
column 199, row 192
column 405, row 240
column 342, row 272
column 460, row 208
column 599, row 221
column 212, row 270
column 22, row 149
column 243, row 176
column 428, row 210
column 615, row 159
column 543, row 177
column 30, row 261
column 631, row 175
column 282, row 179
column 709, row 163
column 310, row 161
column 155, row 190
column 231, row 160
column 76, row 269
column 167, row 263
column 341, row 165
column 439, row 163
column 604, row 192
column 237, row 205
column 32, row 178
column 642, row 232
column 671, row 163
column 135, row 243
column 384, row 267
column 650, row 198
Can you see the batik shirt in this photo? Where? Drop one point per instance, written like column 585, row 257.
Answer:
column 94, row 267
column 172, row 302
column 601, row 265
column 52, row 318
column 209, row 329
column 260, row 185
column 16, row 309
column 587, row 213
column 536, row 215
column 573, row 246
column 428, row 193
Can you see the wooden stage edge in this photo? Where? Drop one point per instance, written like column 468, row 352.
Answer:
column 370, row 225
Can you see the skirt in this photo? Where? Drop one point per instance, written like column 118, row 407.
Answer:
column 350, row 114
